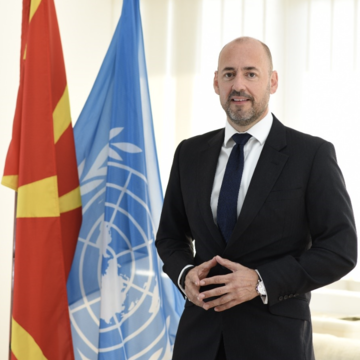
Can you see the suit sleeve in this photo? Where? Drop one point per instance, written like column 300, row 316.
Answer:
column 333, row 250
column 174, row 240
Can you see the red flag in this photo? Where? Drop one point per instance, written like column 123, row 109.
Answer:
column 41, row 167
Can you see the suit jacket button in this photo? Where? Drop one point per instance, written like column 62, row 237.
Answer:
column 281, row 298
column 286, row 297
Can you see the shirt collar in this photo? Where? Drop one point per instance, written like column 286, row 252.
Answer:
column 259, row 131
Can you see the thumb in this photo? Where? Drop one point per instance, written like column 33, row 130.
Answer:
column 233, row 266
column 207, row 265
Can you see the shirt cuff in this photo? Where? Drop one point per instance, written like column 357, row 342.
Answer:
column 180, row 276
column 264, row 298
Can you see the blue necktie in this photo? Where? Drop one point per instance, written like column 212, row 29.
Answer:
column 228, row 198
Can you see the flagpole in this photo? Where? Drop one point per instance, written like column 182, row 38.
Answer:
column 12, row 275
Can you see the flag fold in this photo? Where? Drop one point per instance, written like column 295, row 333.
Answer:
column 41, row 167
column 122, row 306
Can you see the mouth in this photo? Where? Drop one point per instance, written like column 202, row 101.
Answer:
column 239, row 100
column 240, row 97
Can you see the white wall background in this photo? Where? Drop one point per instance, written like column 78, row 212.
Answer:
column 315, row 45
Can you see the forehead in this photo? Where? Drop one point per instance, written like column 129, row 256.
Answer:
column 243, row 54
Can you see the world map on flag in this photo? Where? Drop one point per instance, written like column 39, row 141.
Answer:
column 118, row 307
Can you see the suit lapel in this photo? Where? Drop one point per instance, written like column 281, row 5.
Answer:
column 267, row 171
column 207, row 162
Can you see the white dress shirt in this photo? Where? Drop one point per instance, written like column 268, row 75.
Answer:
column 252, row 150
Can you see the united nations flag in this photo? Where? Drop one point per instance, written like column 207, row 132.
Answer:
column 121, row 304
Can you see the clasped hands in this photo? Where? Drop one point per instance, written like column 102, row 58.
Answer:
column 237, row 287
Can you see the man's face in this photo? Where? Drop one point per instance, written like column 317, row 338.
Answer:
column 244, row 82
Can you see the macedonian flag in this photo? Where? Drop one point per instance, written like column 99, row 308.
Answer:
column 41, row 167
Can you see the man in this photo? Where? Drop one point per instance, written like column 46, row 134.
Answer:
column 248, row 283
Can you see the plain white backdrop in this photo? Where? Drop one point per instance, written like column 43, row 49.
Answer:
column 315, row 46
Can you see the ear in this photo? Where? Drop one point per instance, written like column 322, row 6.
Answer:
column 216, row 83
column 273, row 82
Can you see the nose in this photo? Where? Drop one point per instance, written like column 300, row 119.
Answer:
column 238, row 83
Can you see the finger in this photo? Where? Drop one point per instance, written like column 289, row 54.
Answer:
column 221, row 301
column 193, row 297
column 204, row 269
column 198, row 272
column 219, row 279
column 191, row 288
column 226, row 306
column 233, row 266
column 192, row 284
column 192, row 276
column 207, row 265
column 224, row 302
column 220, row 291
column 195, row 301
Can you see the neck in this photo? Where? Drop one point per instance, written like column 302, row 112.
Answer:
column 243, row 128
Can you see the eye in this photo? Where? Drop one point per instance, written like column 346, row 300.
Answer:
column 228, row 75
column 251, row 75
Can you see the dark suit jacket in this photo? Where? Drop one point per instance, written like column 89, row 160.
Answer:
column 296, row 227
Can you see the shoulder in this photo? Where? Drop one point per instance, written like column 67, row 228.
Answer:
column 312, row 148
column 301, row 137
column 298, row 140
column 204, row 138
column 202, row 142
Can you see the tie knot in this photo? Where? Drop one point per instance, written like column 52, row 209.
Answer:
column 241, row 139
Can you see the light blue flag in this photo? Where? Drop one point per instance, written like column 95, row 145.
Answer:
column 121, row 304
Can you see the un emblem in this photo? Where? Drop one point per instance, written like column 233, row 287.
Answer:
column 116, row 310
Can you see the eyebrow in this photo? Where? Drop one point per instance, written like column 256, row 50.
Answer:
column 228, row 68
column 246, row 68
